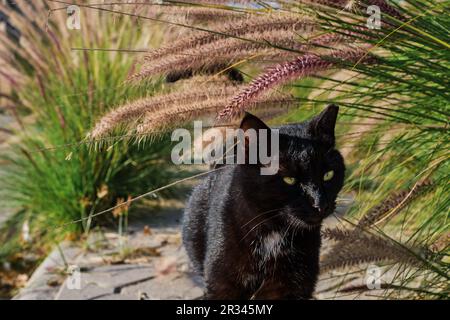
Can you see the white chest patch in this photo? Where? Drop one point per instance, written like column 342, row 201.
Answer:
column 270, row 246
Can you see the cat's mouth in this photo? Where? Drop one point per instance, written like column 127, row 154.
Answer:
column 303, row 224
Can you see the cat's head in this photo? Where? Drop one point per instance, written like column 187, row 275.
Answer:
column 311, row 170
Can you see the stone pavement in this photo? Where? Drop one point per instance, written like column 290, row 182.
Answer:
column 156, row 267
column 150, row 263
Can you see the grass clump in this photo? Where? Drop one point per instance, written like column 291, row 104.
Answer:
column 50, row 174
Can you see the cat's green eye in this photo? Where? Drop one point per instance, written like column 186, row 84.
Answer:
column 328, row 176
column 289, row 180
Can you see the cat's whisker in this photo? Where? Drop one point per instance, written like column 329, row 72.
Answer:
column 282, row 241
column 298, row 222
column 296, row 228
column 264, row 213
column 291, row 223
column 287, row 229
column 259, row 215
column 259, row 224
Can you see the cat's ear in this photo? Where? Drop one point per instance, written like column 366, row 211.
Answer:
column 252, row 122
column 322, row 126
column 256, row 138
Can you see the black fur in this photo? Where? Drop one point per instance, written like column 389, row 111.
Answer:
column 233, row 211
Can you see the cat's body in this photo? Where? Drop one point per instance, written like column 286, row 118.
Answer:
column 254, row 236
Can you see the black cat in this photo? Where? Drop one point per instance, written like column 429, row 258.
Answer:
column 254, row 236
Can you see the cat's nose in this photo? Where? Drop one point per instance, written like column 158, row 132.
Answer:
column 319, row 203
column 316, row 197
